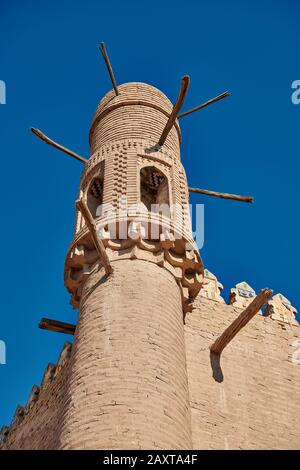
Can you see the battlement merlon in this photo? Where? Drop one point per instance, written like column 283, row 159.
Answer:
column 41, row 411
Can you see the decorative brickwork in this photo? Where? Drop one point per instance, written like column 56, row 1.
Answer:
column 38, row 424
column 249, row 398
column 140, row 374
column 211, row 288
column 280, row 308
column 122, row 140
column 241, row 295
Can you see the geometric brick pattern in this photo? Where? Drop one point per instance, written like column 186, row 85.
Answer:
column 139, row 374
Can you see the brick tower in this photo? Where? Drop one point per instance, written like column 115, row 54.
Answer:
column 128, row 380
column 159, row 360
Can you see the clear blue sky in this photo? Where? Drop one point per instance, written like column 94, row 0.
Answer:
column 246, row 144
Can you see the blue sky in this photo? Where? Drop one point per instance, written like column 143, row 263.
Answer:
column 246, row 144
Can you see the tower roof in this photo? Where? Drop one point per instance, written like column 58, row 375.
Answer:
column 131, row 95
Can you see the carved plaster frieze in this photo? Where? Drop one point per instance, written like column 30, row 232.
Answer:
column 280, row 308
column 184, row 265
column 241, row 295
column 212, row 288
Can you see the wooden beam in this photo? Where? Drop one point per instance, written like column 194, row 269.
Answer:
column 234, row 197
column 81, row 205
column 51, row 142
column 109, row 67
column 185, row 81
column 203, row 105
column 242, row 320
column 57, row 326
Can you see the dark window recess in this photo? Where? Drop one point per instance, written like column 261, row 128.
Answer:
column 95, row 197
column 154, row 187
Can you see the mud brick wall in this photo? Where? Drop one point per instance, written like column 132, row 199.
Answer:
column 247, row 400
column 40, row 427
column 251, row 399
column 138, row 377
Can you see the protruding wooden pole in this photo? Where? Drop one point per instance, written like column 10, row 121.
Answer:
column 185, row 81
column 234, row 197
column 109, row 67
column 203, row 105
column 242, row 320
column 57, row 326
column 81, row 205
column 51, row 142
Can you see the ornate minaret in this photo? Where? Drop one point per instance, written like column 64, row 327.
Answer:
column 128, row 381
column 133, row 272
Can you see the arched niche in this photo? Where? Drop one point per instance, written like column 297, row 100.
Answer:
column 154, row 187
column 94, row 196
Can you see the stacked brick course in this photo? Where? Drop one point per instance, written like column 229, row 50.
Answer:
column 140, row 374
column 250, row 399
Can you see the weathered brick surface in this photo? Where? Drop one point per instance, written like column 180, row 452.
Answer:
column 40, row 427
column 145, row 119
column 128, row 386
column 138, row 377
column 255, row 405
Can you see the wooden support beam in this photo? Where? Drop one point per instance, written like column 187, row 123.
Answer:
column 57, row 326
column 109, row 67
column 185, row 81
column 203, row 105
column 242, row 320
column 81, row 205
column 234, row 197
column 51, row 142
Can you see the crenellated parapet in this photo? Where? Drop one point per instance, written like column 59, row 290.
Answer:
column 280, row 308
column 241, row 295
column 33, row 398
column 4, row 433
column 64, row 357
column 48, row 376
column 18, row 416
column 23, row 413
column 211, row 288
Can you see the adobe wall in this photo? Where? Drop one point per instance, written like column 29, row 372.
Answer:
column 251, row 399
column 38, row 427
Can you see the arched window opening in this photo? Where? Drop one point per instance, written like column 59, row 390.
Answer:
column 95, row 196
column 154, row 187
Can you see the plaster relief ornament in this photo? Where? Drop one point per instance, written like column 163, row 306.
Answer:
column 211, row 288
column 241, row 295
column 280, row 308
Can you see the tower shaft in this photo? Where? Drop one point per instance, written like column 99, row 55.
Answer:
column 128, row 383
column 129, row 386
